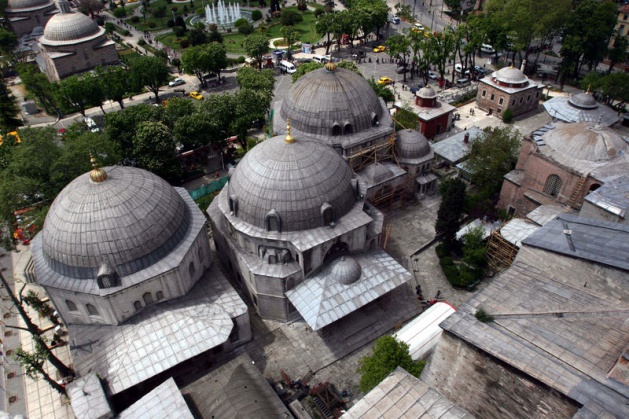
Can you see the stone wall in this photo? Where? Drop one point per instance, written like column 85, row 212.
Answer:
column 24, row 21
column 489, row 388
column 84, row 56
column 589, row 210
column 435, row 126
column 492, row 98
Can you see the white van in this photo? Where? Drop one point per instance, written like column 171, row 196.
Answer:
column 287, row 67
column 487, row 48
column 321, row 59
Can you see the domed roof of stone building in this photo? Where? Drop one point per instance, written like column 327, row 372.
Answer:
column 585, row 141
column 411, row 144
column 583, row 100
column 123, row 217
column 510, row 75
column 427, row 93
column 27, row 4
column 68, row 27
column 293, row 180
column 345, row 270
column 323, row 98
column 377, row 173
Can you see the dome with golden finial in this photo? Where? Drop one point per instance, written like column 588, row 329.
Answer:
column 97, row 174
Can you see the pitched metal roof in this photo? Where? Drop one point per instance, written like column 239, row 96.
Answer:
column 564, row 108
column 164, row 402
column 454, row 149
column 322, row 299
column 613, row 196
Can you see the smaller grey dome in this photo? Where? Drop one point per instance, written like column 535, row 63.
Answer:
column 412, row 144
column 585, row 141
column 26, row 4
column 64, row 27
column 377, row 173
column 510, row 75
column 346, row 270
column 583, row 101
column 427, row 93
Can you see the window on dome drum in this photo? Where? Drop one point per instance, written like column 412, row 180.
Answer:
column 336, row 130
column 91, row 310
column 536, row 94
column 192, row 270
column 347, row 129
column 375, row 122
column 553, row 185
column 513, row 102
column 137, row 305
column 521, row 99
column 71, row 306
column 327, row 214
column 273, row 222
column 233, row 204
column 148, row 298
column 159, row 296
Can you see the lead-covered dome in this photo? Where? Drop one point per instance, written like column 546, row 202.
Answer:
column 583, row 101
column 69, row 27
column 412, row 144
column 585, row 141
column 27, row 4
column 510, row 75
column 128, row 220
column 331, row 97
column 427, row 93
column 295, row 182
column 345, row 270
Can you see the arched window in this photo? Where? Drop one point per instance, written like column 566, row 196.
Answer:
column 148, row 298
column 71, row 306
column 233, row 204
column 137, row 305
column 159, row 295
column 327, row 214
column 594, row 187
column 192, row 270
column 348, row 129
column 107, row 277
column 91, row 310
column 336, row 130
column 374, row 120
column 553, row 185
column 273, row 221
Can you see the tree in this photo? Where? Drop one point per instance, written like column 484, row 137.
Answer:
column 9, row 110
column 91, row 7
column 450, row 211
column 151, row 72
column 154, row 150
column 305, row 68
column 8, row 42
column 114, row 82
column 256, row 46
column 80, row 92
column 291, row 35
column 399, row 46
column 290, row 18
column 249, row 78
column 250, row 105
column 217, row 57
column 492, row 156
column 177, row 108
column 194, row 131
column 388, row 354
column 38, row 84
column 120, row 127
column 208, row 58
column 618, row 53
column 475, row 249
column 326, row 25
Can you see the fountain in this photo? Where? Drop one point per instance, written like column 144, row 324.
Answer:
column 221, row 14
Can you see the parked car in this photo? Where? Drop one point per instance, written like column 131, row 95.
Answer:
column 463, row 82
column 91, row 124
column 414, row 89
column 380, row 48
column 401, row 70
column 444, row 82
column 458, row 67
column 479, row 70
column 385, row 80
column 176, row 82
column 432, row 75
column 419, row 27
column 395, row 20
column 196, row 95
column 487, row 48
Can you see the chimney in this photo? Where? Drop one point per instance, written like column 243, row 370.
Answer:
column 466, row 138
column 523, row 66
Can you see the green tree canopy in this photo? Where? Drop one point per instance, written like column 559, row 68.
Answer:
column 399, row 46
column 120, row 126
column 256, row 45
column 9, row 110
column 388, row 354
column 154, row 150
column 150, row 72
column 450, row 211
column 249, row 78
column 114, row 82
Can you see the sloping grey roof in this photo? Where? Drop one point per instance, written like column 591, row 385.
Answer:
column 453, row 148
column 322, row 300
column 545, row 213
column 14, row 5
column 164, row 257
column 377, row 173
column 130, row 220
column 584, row 238
column 321, row 98
column 517, row 230
column 164, row 402
column 566, row 336
column 70, row 28
column 401, row 395
column 295, row 180
column 236, row 389
column 613, row 196
column 88, row 398
column 160, row 337
column 412, row 144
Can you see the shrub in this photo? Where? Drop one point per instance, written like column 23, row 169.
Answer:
column 173, row 8
column 151, row 24
column 170, row 23
column 184, row 43
column 185, row 8
column 482, row 316
column 507, row 116
column 245, row 29
column 159, row 12
column 277, row 15
column 134, row 19
column 440, row 249
column 141, row 42
column 290, row 17
column 256, row 15
column 301, row 5
column 241, row 59
column 178, row 31
column 125, row 33
column 120, row 12
column 318, row 12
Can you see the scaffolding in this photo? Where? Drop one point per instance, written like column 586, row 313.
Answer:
column 500, row 252
column 373, row 154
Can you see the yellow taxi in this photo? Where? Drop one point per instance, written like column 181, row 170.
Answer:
column 379, row 48
column 196, row 95
column 384, row 80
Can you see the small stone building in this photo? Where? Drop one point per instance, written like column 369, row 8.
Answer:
column 415, row 155
column 508, row 88
column 73, row 43
column 434, row 117
column 26, row 15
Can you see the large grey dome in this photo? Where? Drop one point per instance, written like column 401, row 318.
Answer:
column 129, row 221
column 412, row 144
column 67, row 27
column 585, row 141
column 345, row 270
column 294, row 180
column 27, row 4
column 322, row 99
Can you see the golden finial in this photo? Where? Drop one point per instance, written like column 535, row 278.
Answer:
column 97, row 174
column 289, row 138
column 330, row 66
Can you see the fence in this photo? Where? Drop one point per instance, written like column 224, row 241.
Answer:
column 208, row 188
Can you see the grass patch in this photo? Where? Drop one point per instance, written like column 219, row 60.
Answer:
column 158, row 23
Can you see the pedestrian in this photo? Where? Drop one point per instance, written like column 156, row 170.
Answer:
column 217, row 174
column 438, row 295
column 377, row 60
column 418, row 290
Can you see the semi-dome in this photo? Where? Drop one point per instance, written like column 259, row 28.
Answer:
column 583, row 101
column 331, row 101
column 585, row 141
column 411, row 144
column 510, row 75
column 68, row 27
column 345, row 270
column 27, row 4
column 122, row 217
column 377, row 173
column 294, row 181
column 427, row 93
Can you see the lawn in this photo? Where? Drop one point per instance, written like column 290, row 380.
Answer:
column 233, row 41
column 160, row 23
